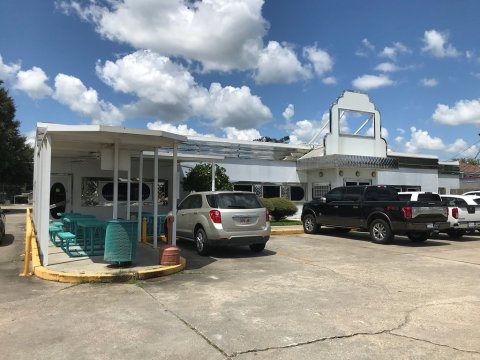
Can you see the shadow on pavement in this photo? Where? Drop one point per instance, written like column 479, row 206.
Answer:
column 7, row 240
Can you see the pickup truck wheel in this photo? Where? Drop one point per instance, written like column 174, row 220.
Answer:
column 418, row 237
column 380, row 232
column 455, row 233
column 310, row 225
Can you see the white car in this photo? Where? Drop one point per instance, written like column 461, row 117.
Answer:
column 466, row 217
column 472, row 193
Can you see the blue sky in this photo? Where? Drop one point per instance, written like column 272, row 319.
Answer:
column 248, row 68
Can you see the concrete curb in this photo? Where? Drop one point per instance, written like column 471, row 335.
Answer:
column 288, row 231
column 44, row 273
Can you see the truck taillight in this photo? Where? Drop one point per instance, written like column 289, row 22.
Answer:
column 407, row 212
column 267, row 215
column 454, row 213
column 216, row 216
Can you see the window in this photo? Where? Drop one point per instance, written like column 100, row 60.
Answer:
column 271, row 191
column 381, row 193
column 297, row 193
column 241, row 187
column 319, row 190
column 429, row 197
column 191, row 202
column 335, row 195
column 353, row 193
column 356, row 123
column 234, row 201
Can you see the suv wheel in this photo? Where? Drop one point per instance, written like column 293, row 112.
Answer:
column 257, row 247
column 380, row 232
column 310, row 225
column 201, row 242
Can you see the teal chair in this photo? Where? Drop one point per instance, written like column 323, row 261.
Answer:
column 120, row 241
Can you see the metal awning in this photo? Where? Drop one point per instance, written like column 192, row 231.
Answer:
column 345, row 161
column 242, row 149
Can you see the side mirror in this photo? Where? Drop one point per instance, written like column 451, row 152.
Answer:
column 323, row 199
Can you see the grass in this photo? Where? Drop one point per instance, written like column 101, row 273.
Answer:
column 285, row 222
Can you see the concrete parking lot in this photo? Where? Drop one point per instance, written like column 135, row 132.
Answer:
column 307, row 297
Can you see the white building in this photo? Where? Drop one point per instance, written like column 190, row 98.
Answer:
column 97, row 169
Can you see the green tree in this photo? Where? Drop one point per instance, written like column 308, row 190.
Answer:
column 16, row 157
column 199, row 178
column 283, row 140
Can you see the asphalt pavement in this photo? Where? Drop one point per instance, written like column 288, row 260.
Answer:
column 306, row 297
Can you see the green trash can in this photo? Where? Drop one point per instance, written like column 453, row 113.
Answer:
column 120, row 242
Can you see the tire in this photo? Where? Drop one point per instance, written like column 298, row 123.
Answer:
column 201, row 242
column 257, row 247
column 419, row 236
column 380, row 231
column 455, row 233
column 310, row 225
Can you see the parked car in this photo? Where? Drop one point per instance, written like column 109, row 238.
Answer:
column 474, row 193
column 2, row 225
column 376, row 209
column 466, row 217
column 223, row 218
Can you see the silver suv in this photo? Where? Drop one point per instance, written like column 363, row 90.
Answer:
column 223, row 218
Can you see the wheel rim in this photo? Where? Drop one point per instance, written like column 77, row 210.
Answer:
column 199, row 241
column 309, row 224
column 379, row 231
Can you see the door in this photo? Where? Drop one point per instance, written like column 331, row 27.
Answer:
column 187, row 215
column 349, row 209
column 60, row 195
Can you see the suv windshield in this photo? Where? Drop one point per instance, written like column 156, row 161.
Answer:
column 429, row 197
column 234, row 201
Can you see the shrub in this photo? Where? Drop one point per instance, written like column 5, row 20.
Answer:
column 279, row 208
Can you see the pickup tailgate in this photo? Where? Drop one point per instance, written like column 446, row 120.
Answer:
column 428, row 212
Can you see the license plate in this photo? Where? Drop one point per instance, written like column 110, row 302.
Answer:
column 244, row 221
column 471, row 225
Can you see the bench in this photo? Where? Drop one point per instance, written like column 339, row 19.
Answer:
column 67, row 239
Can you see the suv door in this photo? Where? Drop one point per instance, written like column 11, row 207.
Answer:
column 349, row 209
column 330, row 210
column 187, row 215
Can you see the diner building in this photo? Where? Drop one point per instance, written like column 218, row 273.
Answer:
column 114, row 173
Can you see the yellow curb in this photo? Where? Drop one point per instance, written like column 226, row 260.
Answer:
column 287, row 231
column 46, row 274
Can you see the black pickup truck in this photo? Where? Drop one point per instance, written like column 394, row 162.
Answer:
column 376, row 209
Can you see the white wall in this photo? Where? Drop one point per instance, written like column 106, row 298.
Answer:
column 449, row 182
column 91, row 168
column 427, row 179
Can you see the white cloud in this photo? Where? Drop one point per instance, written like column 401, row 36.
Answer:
column 464, row 112
column 420, row 139
column 305, row 130
column 387, row 67
column 30, row 136
column 329, row 80
column 429, row 82
column 222, row 35
column 461, row 148
column 7, row 72
column 400, row 130
column 399, row 139
column 33, row 82
column 392, row 52
column 370, row 82
column 288, row 112
column 72, row 92
column 436, row 44
column 366, row 48
column 231, row 106
column 279, row 64
column 181, row 129
column 321, row 60
column 235, row 134
column 168, row 90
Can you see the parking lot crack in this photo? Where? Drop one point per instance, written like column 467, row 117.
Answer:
column 190, row 326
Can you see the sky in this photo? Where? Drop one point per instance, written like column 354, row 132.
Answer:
column 242, row 69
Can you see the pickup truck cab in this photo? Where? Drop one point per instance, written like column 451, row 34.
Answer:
column 376, row 209
column 466, row 217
